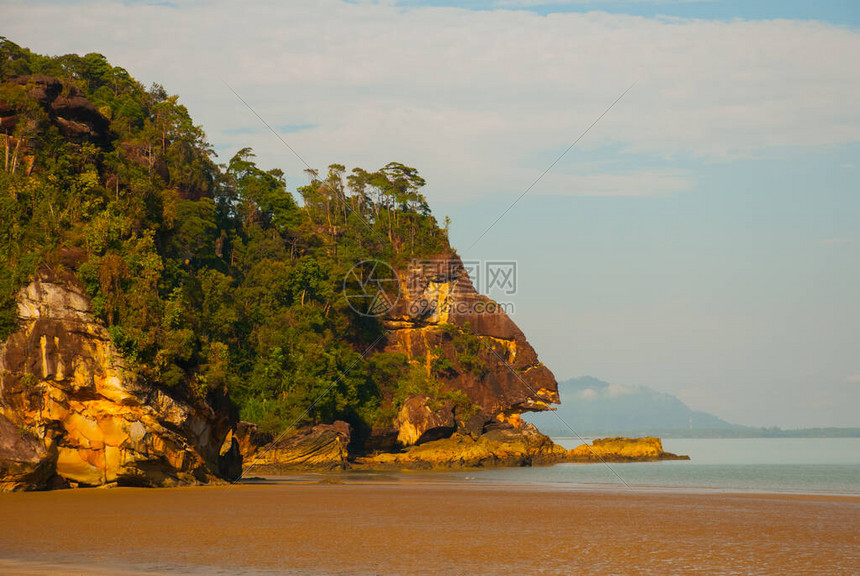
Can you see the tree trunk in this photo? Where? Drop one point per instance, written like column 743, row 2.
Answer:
column 15, row 157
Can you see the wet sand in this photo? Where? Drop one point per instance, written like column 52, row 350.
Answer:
column 415, row 527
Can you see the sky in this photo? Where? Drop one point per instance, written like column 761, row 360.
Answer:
column 702, row 238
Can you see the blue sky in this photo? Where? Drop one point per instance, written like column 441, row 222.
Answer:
column 841, row 12
column 751, row 276
column 702, row 239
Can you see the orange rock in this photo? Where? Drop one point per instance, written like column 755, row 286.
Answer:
column 323, row 447
column 73, row 465
column 92, row 422
column 623, row 449
column 419, row 422
column 524, row 446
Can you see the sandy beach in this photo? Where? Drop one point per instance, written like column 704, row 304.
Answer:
column 418, row 527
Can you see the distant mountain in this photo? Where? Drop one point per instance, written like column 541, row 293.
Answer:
column 594, row 407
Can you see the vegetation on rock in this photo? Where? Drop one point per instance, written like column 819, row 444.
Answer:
column 207, row 275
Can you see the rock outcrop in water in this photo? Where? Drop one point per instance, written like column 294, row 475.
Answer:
column 499, row 446
column 509, row 446
column 621, row 449
column 71, row 414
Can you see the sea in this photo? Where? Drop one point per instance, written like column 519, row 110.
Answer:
column 755, row 465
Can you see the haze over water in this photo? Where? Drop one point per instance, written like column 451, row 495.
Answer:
column 795, row 465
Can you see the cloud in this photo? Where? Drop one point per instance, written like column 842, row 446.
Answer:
column 611, row 391
column 835, row 241
column 514, row 4
column 530, row 3
column 643, row 183
column 290, row 128
column 853, row 379
column 477, row 100
column 616, row 390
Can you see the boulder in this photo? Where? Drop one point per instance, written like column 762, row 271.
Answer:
column 421, row 420
column 474, row 425
column 321, row 448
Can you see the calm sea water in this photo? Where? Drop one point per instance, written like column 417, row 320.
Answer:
column 801, row 465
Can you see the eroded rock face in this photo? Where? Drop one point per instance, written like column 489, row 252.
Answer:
column 248, row 439
column 322, row 448
column 80, row 418
column 504, row 378
column 420, row 421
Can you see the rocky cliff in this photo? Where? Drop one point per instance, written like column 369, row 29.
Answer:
column 440, row 318
column 441, row 323
column 72, row 414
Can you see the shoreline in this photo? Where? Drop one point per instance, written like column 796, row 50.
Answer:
column 429, row 478
column 311, row 525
